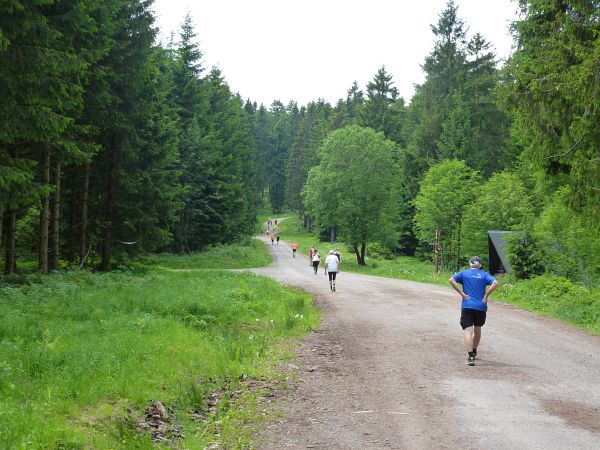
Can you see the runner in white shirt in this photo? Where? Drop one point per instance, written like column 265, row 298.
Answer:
column 316, row 259
column 332, row 267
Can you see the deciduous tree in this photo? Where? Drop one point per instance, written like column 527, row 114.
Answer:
column 343, row 189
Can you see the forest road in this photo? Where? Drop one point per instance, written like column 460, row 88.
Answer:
column 386, row 369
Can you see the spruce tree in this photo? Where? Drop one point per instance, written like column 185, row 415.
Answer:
column 40, row 84
column 552, row 89
column 315, row 125
column 382, row 109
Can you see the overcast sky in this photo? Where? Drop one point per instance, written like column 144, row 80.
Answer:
column 303, row 50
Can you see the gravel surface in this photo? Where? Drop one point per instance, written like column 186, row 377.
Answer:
column 386, row 369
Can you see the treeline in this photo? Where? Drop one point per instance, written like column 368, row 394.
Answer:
column 110, row 144
column 478, row 148
column 453, row 115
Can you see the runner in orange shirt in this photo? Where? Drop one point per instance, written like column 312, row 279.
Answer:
column 294, row 248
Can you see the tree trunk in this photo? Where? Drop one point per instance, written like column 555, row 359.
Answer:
column 44, row 214
column 10, row 261
column 106, row 248
column 458, row 247
column 332, row 235
column 54, row 263
column 84, row 216
column 436, row 250
column 186, row 230
column 178, row 244
column 360, row 255
column 1, row 223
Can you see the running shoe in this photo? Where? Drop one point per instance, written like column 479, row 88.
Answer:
column 470, row 360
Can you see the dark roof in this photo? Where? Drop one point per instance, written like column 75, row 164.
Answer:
column 497, row 238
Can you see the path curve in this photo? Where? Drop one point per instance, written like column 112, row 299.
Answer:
column 386, row 369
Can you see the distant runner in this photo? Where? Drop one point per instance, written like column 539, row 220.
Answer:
column 316, row 259
column 474, row 303
column 272, row 239
column 294, row 248
column 277, row 238
column 311, row 252
column 332, row 267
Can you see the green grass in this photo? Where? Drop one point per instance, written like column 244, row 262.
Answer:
column 245, row 254
column 555, row 297
column 82, row 354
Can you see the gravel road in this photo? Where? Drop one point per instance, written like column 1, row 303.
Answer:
column 386, row 369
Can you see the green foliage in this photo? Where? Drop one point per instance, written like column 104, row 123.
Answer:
column 453, row 114
column 557, row 297
column 382, row 110
column 313, row 128
column 443, row 194
column 244, row 254
column 84, row 354
column 342, row 191
column 502, row 203
column 572, row 248
column 145, row 151
column 552, row 90
column 525, row 255
column 284, row 126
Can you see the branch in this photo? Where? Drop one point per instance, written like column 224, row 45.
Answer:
column 560, row 155
column 85, row 257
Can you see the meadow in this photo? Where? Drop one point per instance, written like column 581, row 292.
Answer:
column 164, row 353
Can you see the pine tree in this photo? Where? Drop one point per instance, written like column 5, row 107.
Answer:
column 553, row 92
column 380, row 111
column 315, row 125
column 42, row 95
column 280, row 142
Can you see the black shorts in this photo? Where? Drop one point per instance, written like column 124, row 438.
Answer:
column 470, row 317
column 332, row 275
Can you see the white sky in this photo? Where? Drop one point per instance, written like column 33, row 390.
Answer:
column 303, row 50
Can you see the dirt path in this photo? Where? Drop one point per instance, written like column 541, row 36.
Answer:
column 386, row 369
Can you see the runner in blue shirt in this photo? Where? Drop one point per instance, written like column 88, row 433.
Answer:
column 474, row 303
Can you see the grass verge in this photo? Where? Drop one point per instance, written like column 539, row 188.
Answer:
column 556, row 297
column 242, row 255
column 128, row 359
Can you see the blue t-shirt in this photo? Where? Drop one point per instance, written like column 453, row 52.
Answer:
column 474, row 282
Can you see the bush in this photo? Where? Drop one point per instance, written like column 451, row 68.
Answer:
column 525, row 256
column 558, row 297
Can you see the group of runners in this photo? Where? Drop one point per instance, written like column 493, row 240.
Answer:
column 473, row 285
column 333, row 261
column 273, row 230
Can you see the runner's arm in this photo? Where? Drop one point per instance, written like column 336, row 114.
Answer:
column 491, row 289
column 458, row 289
